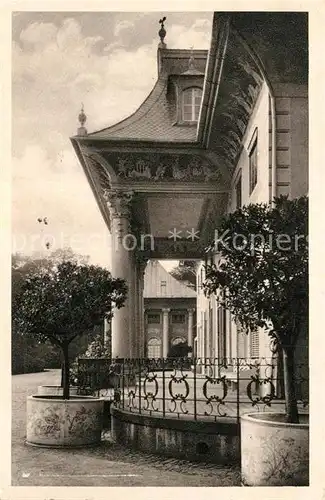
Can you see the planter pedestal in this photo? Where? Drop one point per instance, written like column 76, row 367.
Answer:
column 273, row 452
column 55, row 390
column 56, row 422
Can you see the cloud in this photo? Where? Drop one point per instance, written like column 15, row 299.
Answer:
column 203, row 24
column 112, row 46
column 198, row 35
column 51, row 81
column 38, row 34
column 121, row 26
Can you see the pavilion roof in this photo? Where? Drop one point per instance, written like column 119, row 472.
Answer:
column 153, row 120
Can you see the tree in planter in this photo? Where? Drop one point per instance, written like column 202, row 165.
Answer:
column 263, row 274
column 27, row 353
column 61, row 303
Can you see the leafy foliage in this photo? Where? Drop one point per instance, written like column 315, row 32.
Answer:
column 180, row 350
column 27, row 353
column 97, row 349
column 63, row 302
column 186, row 272
column 262, row 273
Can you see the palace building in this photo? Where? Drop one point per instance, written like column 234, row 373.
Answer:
column 220, row 129
column 170, row 312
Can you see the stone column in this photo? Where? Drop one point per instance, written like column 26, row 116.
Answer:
column 132, row 308
column 165, row 332
column 190, row 330
column 142, row 264
column 118, row 202
column 136, row 312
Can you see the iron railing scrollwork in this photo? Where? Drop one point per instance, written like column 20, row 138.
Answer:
column 191, row 388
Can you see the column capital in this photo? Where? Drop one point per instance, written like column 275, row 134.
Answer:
column 118, row 202
column 191, row 310
column 165, row 310
column 141, row 262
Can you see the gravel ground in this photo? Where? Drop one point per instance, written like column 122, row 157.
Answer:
column 106, row 465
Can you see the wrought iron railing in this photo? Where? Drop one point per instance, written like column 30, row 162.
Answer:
column 195, row 388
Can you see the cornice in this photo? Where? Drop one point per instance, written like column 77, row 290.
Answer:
column 96, row 189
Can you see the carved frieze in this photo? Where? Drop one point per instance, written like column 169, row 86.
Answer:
column 239, row 89
column 157, row 168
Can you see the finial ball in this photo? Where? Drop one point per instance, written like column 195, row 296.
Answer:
column 82, row 117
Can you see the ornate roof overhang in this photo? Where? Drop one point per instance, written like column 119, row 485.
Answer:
column 147, row 153
column 230, row 94
column 247, row 50
column 151, row 170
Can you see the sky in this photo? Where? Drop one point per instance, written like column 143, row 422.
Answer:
column 105, row 60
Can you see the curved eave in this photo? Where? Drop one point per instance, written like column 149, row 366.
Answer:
column 152, row 121
column 138, row 113
column 96, row 191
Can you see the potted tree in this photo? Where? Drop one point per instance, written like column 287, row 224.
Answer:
column 58, row 305
column 263, row 273
column 30, row 354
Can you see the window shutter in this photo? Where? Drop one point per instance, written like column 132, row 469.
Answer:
column 255, row 344
column 241, row 344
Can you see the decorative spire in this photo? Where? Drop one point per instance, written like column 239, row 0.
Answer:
column 192, row 70
column 162, row 33
column 82, row 120
column 191, row 61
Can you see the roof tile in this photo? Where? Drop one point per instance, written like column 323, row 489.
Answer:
column 153, row 120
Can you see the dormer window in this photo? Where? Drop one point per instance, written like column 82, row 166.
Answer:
column 191, row 103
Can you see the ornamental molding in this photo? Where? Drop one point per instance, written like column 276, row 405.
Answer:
column 155, row 168
column 118, row 202
column 94, row 162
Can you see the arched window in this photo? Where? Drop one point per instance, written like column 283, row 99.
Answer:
column 154, row 348
column 178, row 340
column 191, row 104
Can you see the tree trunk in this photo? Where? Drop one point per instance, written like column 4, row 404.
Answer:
column 289, row 385
column 66, row 371
column 279, row 370
column 62, row 373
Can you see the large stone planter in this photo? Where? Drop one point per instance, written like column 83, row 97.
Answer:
column 273, row 452
column 56, row 422
column 55, row 390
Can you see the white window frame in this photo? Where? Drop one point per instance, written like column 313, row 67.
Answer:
column 154, row 344
column 195, row 111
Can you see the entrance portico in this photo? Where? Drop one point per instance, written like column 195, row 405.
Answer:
column 162, row 177
column 153, row 218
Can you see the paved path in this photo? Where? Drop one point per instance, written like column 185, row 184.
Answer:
column 106, row 465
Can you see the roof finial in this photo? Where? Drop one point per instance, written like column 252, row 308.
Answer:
column 82, row 120
column 162, row 33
